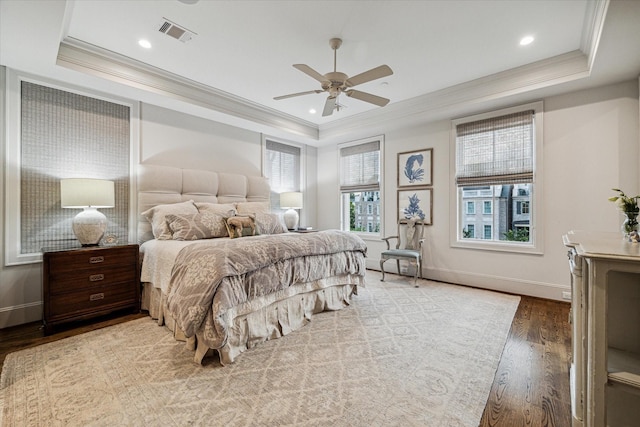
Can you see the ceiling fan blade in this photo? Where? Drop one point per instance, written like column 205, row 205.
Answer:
column 329, row 106
column 311, row 72
column 367, row 97
column 367, row 76
column 291, row 95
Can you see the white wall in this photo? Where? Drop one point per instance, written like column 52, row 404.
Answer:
column 591, row 144
column 169, row 138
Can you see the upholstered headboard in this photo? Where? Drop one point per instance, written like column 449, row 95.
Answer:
column 159, row 185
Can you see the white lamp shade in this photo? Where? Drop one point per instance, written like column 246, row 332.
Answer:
column 291, row 200
column 85, row 192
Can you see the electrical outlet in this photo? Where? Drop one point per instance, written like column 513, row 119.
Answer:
column 566, row 295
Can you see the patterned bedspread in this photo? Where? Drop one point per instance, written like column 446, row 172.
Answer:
column 209, row 278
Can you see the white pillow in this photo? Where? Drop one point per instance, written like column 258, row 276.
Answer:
column 217, row 208
column 157, row 216
column 244, row 208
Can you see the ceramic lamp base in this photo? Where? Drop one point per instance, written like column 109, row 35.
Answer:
column 291, row 219
column 89, row 226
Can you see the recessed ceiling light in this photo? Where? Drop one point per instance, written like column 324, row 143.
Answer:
column 312, row 111
column 526, row 40
column 144, row 43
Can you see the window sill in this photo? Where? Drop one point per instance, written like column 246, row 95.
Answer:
column 477, row 244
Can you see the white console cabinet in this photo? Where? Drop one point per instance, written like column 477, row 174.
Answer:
column 605, row 315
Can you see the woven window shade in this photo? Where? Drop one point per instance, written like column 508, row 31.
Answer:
column 282, row 167
column 360, row 167
column 495, row 151
column 65, row 135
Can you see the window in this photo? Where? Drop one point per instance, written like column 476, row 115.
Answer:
column 282, row 165
column 469, row 232
column 522, row 208
column 497, row 156
column 487, row 232
column 66, row 126
column 360, row 185
column 471, row 208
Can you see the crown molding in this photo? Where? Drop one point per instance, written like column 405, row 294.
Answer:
column 592, row 28
column 87, row 58
column 548, row 72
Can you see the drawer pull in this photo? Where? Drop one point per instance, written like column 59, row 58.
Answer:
column 96, row 277
column 96, row 297
column 96, row 259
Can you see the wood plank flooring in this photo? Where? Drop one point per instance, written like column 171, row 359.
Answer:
column 531, row 386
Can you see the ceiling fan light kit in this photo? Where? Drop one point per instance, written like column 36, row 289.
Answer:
column 336, row 83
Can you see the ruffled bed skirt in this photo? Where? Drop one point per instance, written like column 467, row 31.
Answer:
column 261, row 319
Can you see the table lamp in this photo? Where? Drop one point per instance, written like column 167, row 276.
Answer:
column 291, row 200
column 89, row 194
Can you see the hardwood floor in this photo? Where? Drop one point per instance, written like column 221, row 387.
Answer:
column 531, row 386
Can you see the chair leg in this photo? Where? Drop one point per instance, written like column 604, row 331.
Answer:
column 398, row 264
column 382, row 269
column 415, row 277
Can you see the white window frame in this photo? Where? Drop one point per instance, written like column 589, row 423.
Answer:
column 536, row 227
column 365, row 235
column 13, row 146
column 486, row 203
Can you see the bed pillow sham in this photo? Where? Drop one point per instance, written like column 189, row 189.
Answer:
column 218, row 208
column 203, row 225
column 269, row 223
column 245, row 208
column 157, row 216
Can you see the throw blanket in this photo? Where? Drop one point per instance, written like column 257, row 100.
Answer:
column 210, row 279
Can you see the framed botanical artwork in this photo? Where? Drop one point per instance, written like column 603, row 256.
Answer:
column 415, row 168
column 415, row 203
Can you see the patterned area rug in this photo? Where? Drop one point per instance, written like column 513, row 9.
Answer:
column 398, row 356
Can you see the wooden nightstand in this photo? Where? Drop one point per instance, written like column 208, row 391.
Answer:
column 88, row 282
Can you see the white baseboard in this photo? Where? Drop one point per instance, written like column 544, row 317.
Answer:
column 531, row 288
column 20, row 314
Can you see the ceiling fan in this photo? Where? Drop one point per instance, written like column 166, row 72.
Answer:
column 336, row 83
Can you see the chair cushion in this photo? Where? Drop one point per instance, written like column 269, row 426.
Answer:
column 400, row 253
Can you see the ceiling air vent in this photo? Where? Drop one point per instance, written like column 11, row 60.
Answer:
column 176, row 31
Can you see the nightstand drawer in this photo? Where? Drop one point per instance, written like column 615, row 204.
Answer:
column 82, row 283
column 62, row 262
column 89, row 278
column 91, row 300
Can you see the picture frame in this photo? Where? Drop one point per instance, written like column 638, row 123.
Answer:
column 415, row 168
column 416, row 203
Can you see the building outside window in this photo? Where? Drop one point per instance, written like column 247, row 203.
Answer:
column 360, row 186
column 495, row 166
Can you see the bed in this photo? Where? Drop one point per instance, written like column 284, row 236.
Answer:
column 225, row 294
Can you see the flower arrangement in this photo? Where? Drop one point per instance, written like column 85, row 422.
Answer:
column 628, row 205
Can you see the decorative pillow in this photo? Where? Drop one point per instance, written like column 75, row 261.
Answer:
column 219, row 208
column 270, row 223
column 241, row 226
column 244, row 208
column 205, row 225
column 157, row 217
